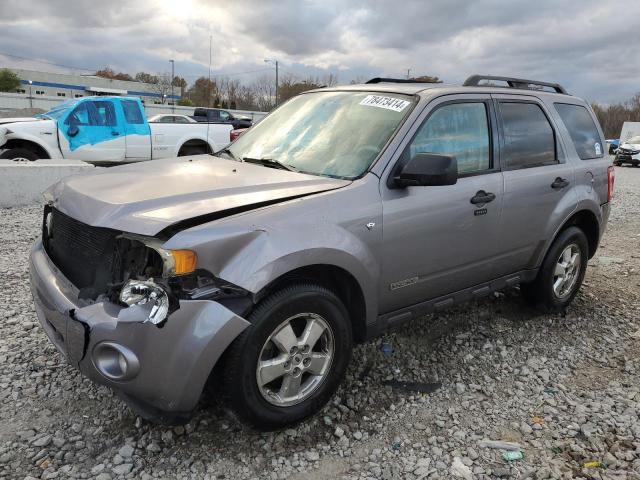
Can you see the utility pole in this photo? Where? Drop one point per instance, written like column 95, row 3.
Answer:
column 30, row 97
column 173, row 105
column 209, row 85
column 267, row 60
column 408, row 73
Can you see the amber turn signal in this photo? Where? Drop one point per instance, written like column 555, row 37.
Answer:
column 185, row 261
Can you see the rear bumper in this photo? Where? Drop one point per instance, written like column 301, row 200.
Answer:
column 165, row 369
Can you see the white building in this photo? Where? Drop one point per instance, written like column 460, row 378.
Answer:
column 43, row 84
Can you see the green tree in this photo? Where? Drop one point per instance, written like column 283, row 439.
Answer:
column 203, row 92
column 185, row 102
column 9, row 81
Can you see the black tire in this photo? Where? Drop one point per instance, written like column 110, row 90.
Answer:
column 240, row 388
column 540, row 293
column 15, row 153
column 617, row 164
column 188, row 151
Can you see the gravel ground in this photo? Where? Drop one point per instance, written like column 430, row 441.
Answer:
column 564, row 387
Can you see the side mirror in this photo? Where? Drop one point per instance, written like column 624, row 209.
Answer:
column 73, row 130
column 428, row 169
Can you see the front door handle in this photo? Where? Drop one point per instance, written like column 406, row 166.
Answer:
column 482, row 197
column 559, row 183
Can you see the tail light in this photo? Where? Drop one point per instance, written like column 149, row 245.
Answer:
column 236, row 133
column 611, row 176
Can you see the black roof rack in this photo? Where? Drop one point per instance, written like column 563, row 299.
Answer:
column 393, row 80
column 474, row 81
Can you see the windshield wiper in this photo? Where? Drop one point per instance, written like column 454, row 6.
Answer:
column 227, row 152
column 270, row 162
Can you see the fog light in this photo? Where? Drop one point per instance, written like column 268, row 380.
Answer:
column 148, row 295
column 115, row 361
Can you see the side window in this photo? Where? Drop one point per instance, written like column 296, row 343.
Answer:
column 132, row 113
column 583, row 131
column 529, row 140
column 180, row 120
column 79, row 115
column 457, row 129
column 93, row 114
column 224, row 115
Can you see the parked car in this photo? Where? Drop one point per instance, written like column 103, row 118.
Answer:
column 257, row 269
column 237, row 132
column 613, row 144
column 628, row 152
column 105, row 130
column 171, row 118
column 216, row 115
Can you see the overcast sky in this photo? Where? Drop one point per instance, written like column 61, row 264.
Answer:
column 591, row 47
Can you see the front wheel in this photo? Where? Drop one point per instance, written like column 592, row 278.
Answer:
column 290, row 361
column 561, row 273
column 19, row 155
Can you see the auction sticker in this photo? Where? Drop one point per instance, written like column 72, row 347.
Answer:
column 380, row 101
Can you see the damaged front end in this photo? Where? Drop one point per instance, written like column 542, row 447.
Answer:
column 132, row 315
column 131, row 270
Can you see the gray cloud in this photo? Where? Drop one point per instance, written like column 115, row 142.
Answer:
column 587, row 45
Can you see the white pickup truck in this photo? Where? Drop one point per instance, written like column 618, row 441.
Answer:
column 105, row 130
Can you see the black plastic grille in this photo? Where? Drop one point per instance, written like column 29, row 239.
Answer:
column 80, row 251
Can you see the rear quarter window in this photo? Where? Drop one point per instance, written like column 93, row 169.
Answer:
column 582, row 129
column 529, row 139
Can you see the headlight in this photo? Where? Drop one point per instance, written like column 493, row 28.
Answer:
column 148, row 296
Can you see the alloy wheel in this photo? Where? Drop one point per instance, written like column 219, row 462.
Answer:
column 295, row 359
column 567, row 271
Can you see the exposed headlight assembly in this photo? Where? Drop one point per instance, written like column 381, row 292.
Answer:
column 149, row 300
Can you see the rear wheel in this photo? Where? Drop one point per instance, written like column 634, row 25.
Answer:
column 19, row 155
column 561, row 273
column 194, row 150
column 290, row 361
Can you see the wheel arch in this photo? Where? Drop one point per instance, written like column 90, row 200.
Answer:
column 334, row 278
column 30, row 145
column 588, row 222
column 194, row 142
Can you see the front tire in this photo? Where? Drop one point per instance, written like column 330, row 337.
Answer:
column 561, row 273
column 290, row 361
column 19, row 154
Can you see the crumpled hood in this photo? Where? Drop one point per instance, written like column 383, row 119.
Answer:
column 147, row 197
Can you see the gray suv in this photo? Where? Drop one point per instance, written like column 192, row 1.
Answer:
column 346, row 211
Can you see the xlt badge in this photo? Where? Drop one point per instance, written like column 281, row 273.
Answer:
column 403, row 283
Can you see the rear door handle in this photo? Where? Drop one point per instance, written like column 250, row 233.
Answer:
column 559, row 183
column 482, row 197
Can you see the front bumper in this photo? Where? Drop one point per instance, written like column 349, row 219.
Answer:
column 173, row 362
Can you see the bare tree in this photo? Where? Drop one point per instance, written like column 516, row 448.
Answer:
column 163, row 86
column 265, row 93
column 612, row 117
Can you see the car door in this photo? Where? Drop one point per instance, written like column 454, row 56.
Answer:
column 138, row 134
column 91, row 132
column 436, row 241
column 538, row 180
